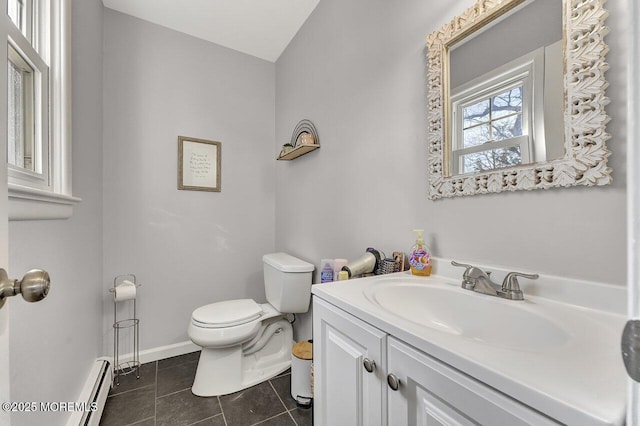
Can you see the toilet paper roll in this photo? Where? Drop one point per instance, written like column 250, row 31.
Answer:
column 126, row 290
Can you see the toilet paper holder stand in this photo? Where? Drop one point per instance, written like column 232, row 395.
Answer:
column 133, row 364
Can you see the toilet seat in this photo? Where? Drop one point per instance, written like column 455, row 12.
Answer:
column 229, row 313
column 228, row 327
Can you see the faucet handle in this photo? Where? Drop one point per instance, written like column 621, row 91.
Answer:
column 511, row 287
column 462, row 265
column 470, row 274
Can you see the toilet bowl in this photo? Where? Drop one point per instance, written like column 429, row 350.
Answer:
column 244, row 342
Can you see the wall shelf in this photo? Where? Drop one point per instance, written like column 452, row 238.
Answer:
column 298, row 151
column 304, row 133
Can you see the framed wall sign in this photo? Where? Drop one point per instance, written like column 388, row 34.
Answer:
column 198, row 164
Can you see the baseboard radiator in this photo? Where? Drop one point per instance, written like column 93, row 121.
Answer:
column 94, row 395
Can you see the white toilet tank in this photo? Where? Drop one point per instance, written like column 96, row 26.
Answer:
column 287, row 282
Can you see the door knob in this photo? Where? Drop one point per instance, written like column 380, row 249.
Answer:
column 34, row 286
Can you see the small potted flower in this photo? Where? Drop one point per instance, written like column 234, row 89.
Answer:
column 286, row 148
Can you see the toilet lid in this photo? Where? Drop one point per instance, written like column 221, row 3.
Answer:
column 227, row 313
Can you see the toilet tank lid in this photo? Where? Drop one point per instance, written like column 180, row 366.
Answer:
column 286, row 263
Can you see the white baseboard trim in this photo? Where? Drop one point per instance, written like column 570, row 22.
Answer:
column 162, row 352
column 94, row 395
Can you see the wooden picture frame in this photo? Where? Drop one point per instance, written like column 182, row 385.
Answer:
column 199, row 164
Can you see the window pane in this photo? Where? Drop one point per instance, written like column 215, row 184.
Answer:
column 507, row 128
column 20, row 129
column 15, row 154
column 475, row 136
column 16, row 11
column 476, row 113
column 491, row 159
column 507, row 103
column 21, row 12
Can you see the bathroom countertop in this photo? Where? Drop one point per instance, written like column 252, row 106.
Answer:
column 581, row 381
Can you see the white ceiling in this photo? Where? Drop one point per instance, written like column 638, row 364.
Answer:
column 261, row 28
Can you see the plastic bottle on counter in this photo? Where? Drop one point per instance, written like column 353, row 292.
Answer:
column 326, row 270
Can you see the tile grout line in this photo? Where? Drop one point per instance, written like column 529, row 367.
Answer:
column 291, row 416
column 202, row 420
column 222, row 411
column 283, row 404
column 273, row 417
column 172, row 393
column 128, row 391
column 140, row 421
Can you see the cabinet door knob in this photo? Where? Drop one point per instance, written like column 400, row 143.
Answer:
column 393, row 381
column 369, row 365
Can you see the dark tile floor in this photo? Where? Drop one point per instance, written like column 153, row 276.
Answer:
column 162, row 397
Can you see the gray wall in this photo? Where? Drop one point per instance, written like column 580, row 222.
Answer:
column 357, row 69
column 536, row 25
column 59, row 336
column 187, row 248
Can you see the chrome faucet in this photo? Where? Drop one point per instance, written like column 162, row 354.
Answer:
column 475, row 279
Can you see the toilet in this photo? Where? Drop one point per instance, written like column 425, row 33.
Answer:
column 243, row 342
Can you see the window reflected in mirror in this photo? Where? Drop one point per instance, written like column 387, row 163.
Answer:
column 492, row 134
column 498, row 91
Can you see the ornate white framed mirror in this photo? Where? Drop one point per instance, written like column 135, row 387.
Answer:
column 516, row 98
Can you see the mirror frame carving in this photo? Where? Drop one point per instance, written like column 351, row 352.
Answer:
column 585, row 119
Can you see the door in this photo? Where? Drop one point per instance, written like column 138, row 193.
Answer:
column 4, row 222
column 349, row 361
column 4, row 312
column 633, row 192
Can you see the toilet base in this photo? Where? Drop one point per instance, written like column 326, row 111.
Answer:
column 223, row 371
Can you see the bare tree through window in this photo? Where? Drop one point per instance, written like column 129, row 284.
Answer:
column 497, row 118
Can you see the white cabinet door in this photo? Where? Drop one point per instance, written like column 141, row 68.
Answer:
column 345, row 393
column 433, row 394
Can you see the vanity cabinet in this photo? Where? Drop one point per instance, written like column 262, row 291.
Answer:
column 429, row 392
column 345, row 392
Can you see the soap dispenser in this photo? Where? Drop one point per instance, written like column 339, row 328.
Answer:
column 420, row 257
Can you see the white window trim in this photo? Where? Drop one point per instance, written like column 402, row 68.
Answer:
column 56, row 202
column 520, row 141
column 529, row 70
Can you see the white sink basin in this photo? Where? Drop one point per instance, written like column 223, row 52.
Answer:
column 470, row 315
